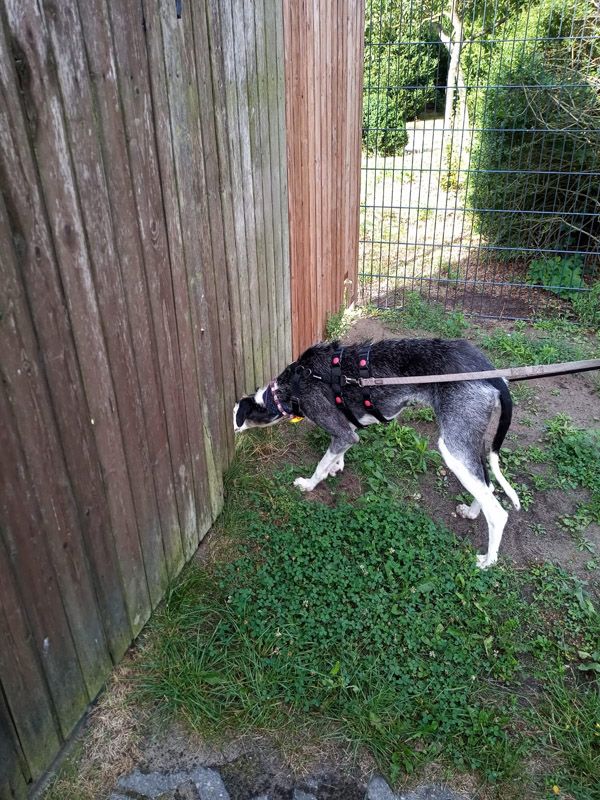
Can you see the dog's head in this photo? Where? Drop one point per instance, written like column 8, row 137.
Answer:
column 255, row 411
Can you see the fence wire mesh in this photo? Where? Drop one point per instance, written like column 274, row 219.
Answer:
column 481, row 154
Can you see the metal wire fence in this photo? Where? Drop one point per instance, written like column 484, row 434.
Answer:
column 481, row 154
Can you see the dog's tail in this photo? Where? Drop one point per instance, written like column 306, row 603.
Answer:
column 503, row 426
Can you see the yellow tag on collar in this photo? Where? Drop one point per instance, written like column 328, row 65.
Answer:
column 295, row 420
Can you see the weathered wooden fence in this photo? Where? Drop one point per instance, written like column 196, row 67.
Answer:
column 145, row 281
column 324, row 57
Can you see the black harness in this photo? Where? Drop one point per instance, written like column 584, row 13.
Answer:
column 364, row 368
column 337, row 381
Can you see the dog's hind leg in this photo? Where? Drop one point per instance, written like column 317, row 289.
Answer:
column 473, row 511
column 470, row 473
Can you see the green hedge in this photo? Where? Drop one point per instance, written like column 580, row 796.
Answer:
column 541, row 127
column 399, row 79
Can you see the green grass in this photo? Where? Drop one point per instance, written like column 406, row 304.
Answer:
column 418, row 314
column 389, row 457
column 335, row 327
column 518, row 348
column 571, row 460
column 367, row 621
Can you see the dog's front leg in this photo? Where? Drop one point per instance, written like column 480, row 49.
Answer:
column 331, row 463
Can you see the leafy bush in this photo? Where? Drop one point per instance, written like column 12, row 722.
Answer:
column 399, row 79
column 539, row 137
column 384, row 128
column 556, row 274
column 587, row 307
column 419, row 314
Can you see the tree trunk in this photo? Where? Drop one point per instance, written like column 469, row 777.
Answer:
column 455, row 119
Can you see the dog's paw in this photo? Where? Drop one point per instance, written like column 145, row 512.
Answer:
column 483, row 562
column 465, row 512
column 335, row 469
column 304, row 484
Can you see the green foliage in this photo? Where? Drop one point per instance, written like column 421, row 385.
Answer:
column 335, row 327
column 384, row 128
column 568, row 725
column 418, row 314
column 399, row 79
column 418, row 414
column 576, row 456
column 558, row 275
column 395, row 453
column 516, row 348
column 371, row 618
column 587, row 307
column 388, row 457
column 538, row 114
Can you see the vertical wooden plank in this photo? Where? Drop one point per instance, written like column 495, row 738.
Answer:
column 263, row 310
column 267, row 165
column 42, row 102
column 14, row 773
column 30, row 410
column 24, row 696
column 271, row 112
column 263, row 158
column 261, row 367
column 216, row 265
column 323, row 42
column 139, row 250
column 25, row 538
column 303, row 281
column 38, row 270
column 355, row 60
column 320, row 160
column 91, row 194
column 177, row 53
column 221, row 107
column 147, row 121
column 323, row 113
column 292, row 144
column 221, row 14
column 342, row 155
column 281, row 65
column 270, row 103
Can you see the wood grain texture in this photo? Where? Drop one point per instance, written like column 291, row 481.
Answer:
column 133, row 202
column 68, row 245
column 14, row 773
column 323, row 60
column 144, row 285
column 38, row 270
column 118, row 321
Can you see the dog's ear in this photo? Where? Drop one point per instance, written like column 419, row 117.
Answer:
column 245, row 406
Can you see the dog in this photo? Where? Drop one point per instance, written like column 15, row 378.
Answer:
column 311, row 387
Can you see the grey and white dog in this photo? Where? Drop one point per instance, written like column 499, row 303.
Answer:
column 463, row 410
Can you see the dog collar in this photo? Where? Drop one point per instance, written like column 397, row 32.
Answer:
column 271, row 398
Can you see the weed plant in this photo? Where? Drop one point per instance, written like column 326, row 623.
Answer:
column 368, row 621
column 418, row 314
